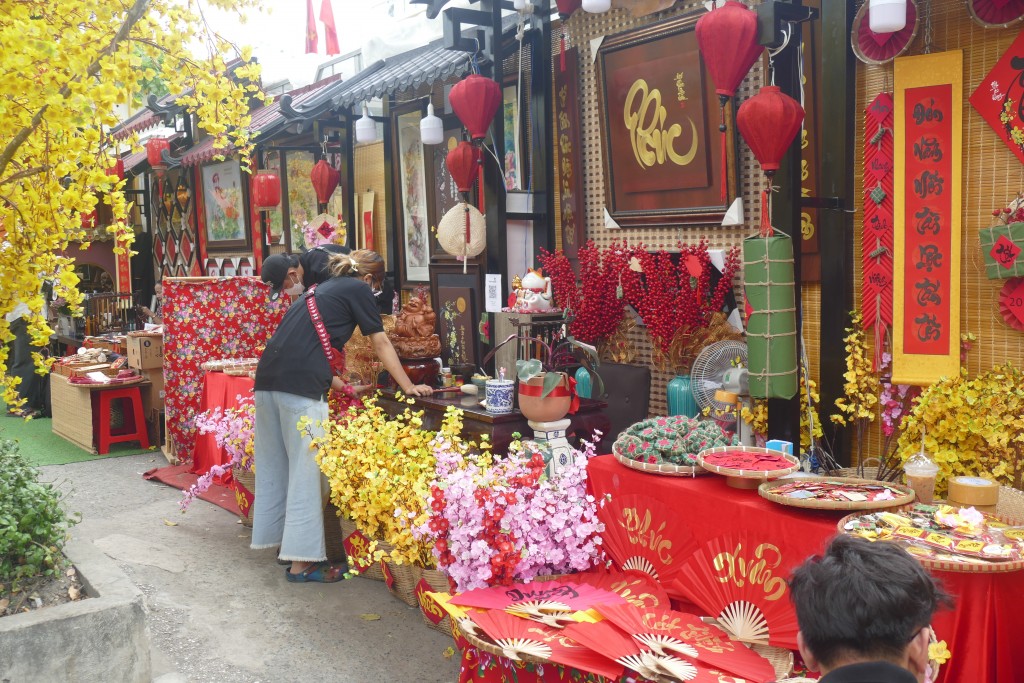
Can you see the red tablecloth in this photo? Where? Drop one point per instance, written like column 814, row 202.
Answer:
column 219, row 391
column 985, row 632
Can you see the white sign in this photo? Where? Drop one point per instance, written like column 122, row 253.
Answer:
column 493, row 293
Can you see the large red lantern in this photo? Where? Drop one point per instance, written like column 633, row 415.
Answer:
column 769, row 122
column 475, row 100
column 266, row 190
column 325, row 180
column 727, row 37
column 155, row 151
column 117, row 169
column 464, row 164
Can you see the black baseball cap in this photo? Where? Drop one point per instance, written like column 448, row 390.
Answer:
column 275, row 270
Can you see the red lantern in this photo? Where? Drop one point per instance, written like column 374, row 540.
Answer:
column 266, row 190
column 325, row 180
column 117, row 169
column 567, row 7
column 475, row 100
column 727, row 37
column 464, row 163
column 155, row 151
column 89, row 220
column 769, row 122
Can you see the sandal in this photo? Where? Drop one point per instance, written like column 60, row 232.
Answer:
column 320, row 572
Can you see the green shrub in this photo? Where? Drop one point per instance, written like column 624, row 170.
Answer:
column 33, row 526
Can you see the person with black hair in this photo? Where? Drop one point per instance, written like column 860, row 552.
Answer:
column 865, row 611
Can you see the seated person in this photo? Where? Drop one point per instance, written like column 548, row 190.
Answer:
column 294, row 273
column 865, row 611
column 155, row 315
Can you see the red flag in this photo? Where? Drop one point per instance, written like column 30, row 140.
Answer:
column 311, row 35
column 330, row 32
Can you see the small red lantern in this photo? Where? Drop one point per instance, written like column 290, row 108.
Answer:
column 769, row 122
column 89, row 220
column 727, row 37
column 475, row 100
column 567, row 7
column 325, row 180
column 266, row 190
column 464, row 164
column 155, row 151
column 117, row 169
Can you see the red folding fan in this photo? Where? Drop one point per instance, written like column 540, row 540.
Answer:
column 518, row 638
column 571, row 596
column 644, row 534
column 636, row 588
column 667, row 632
column 996, row 13
column 608, row 639
column 741, row 582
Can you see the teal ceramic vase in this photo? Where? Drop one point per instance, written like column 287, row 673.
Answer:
column 680, row 397
column 583, row 387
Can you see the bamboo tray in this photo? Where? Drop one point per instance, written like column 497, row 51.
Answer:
column 664, row 469
column 982, row 567
column 746, row 479
column 766, row 491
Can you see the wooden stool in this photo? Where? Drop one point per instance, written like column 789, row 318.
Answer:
column 134, row 428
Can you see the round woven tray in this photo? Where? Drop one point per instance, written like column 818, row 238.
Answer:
column 490, row 648
column 765, row 490
column 746, row 474
column 659, row 468
column 960, row 567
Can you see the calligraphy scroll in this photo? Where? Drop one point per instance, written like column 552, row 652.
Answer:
column 927, row 212
column 877, row 235
column 568, row 155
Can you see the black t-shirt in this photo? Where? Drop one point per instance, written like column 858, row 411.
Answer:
column 869, row 672
column 314, row 263
column 294, row 361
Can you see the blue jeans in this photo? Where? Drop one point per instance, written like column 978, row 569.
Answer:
column 290, row 489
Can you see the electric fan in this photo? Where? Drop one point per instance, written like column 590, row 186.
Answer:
column 719, row 382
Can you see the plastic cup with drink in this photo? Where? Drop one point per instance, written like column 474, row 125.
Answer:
column 921, row 472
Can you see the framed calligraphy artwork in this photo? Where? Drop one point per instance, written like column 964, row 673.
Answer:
column 663, row 164
column 568, row 155
column 927, row 213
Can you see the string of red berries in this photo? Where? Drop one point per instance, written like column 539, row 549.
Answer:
column 592, row 297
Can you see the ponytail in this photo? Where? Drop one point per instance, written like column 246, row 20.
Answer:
column 357, row 264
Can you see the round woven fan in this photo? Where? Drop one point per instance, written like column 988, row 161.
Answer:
column 996, row 13
column 451, row 231
column 879, row 48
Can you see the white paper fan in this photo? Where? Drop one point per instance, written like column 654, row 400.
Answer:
column 451, row 232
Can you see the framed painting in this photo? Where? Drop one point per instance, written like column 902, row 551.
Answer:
column 224, row 198
column 456, row 300
column 413, row 211
column 659, row 129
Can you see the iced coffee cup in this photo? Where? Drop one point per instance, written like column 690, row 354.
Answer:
column 921, row 472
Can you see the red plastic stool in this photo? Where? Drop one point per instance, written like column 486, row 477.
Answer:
column 134, row 428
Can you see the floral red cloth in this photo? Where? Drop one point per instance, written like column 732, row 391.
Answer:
column 205, row 320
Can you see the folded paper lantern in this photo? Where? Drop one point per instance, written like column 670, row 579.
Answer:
column 463, row 164
column 325, row 180
column 266, row 190
column 771, row 327
column 769, row 122
column 727, row 37
column 475, row 100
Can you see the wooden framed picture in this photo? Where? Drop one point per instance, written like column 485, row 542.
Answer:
column 445, row 194
column 225, row 198
column 659, row 129
column 457, row 302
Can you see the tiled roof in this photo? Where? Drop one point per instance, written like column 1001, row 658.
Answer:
column 401, row 72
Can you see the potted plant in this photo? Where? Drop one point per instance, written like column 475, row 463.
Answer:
column 546, row 392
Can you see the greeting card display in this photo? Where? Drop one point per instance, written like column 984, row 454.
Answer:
column 1002, row 247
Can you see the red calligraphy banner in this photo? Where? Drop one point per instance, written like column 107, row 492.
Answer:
column 926, row 186
column 928, row 154
column 568, row 159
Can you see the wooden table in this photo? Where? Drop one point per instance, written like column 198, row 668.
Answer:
column 499, row 428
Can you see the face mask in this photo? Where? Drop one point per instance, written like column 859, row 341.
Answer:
column 295, row 290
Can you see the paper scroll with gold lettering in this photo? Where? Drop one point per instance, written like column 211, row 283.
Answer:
column 643, row 534
column 741, row 582
column 659, row 125
column 927, row 210
column 569, row 154
column 677, row 633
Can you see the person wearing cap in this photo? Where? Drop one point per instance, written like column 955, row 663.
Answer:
column 294, row 274
column 292, row 380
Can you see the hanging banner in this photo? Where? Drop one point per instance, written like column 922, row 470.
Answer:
column 877, row 235
column 568, row 153
column 999, row 97
column 927, row 211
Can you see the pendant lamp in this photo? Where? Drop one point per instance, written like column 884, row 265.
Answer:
column 266, row 190
column 597, row 6
column 366, row 128
column 519, row 5
column 431, row 127
column 769, row 122
column 475, row 100
column 887, row 16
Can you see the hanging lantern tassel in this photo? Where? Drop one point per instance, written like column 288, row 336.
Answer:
column 725, row 150
column 766, row 215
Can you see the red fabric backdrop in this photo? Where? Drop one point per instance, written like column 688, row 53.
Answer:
column 206, row 320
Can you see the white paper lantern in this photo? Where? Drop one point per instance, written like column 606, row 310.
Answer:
column 887, row 16
column 431, row 127
column 366, row 128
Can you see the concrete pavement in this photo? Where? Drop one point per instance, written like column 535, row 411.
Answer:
column 218, row 612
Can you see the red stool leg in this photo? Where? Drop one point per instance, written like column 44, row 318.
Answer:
column 141, row 430
column 102, row 422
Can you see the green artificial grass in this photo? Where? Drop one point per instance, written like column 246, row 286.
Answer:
column 42, row 447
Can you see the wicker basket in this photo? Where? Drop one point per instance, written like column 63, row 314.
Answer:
column 437, row 581
column 247, row 478
column 332, row 535
column 1011, row 505
column 401, row 580
column 373, row 572
column 767, row 491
